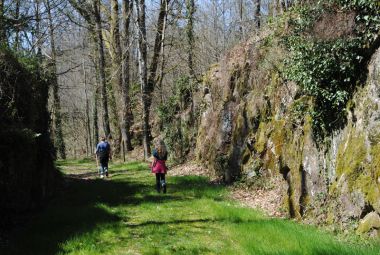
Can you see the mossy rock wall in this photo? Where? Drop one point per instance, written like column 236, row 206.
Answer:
column 357, row 168
column 252, row 126
column 28, row 176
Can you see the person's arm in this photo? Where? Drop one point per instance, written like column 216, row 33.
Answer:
column 155, row 154
column 154, row 157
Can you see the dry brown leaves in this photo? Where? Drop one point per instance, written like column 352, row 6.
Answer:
column 268, row 200
column 188, row 168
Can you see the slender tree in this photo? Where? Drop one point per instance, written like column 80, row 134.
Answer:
column 241, row 29
column 95, row 102
column 143, row 73
column 257, row 13
column 285, row 4
column 148, row 84
column 87, row 110
column 17, row 17
column 17, row 28
column 125, row 119
column 122, row 103
column 190, row 7
column 157, row 45
column 161, row 74
column 57, row 120
column 37, row 32
column 3, row 36
column 101, row 66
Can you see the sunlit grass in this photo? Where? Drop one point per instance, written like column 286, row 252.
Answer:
column 125, row 215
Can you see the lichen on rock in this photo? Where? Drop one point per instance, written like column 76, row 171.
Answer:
column 369, row 222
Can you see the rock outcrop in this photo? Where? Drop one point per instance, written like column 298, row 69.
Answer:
column 28, row 175
column 250, row 128
column 370, row 222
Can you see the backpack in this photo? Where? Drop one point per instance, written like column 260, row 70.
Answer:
column 103, row 150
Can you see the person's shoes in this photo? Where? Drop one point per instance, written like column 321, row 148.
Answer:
column 101, row 176
column 107, row 174
column 164, row 187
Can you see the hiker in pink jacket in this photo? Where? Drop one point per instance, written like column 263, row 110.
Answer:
column 158, row 166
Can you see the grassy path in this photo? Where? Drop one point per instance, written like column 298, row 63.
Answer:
column 124, row 215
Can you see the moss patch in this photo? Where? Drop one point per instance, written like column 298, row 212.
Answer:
column 261, row 137
column 351, row 156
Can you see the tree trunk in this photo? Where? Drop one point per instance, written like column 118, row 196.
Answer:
column 37, row 33
column 3, row 36
column 17, row 27
column 276, row 8
column 87, row 105
column 215, row 38
column 190, row 6
column 140, row 4
column 115, row 139
column 161, row 75
column 148, row 86
column 95, row 115
column 117, row 104
column 241, row 30
column 286, row 4
column 157, row 45
column 125, row 119
column 57, row 120
column 257, row 13
column 119, row 82
column 101, row 66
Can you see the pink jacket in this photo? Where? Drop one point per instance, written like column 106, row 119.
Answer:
column 159, row 166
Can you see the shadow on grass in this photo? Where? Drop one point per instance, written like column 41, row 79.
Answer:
column 158, row 223
column 92, row 174
column 79, row 209
column 83, row 208
column 76, row 212
column 193, row 221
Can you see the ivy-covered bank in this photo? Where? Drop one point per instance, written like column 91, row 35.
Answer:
column 330, row 49
column 302, row 101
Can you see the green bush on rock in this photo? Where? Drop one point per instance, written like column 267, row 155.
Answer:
column 329, row 69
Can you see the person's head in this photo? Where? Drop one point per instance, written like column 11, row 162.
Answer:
column 103, row 138
column 160, row 147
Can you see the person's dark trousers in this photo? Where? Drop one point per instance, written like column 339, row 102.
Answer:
column 160, row 182
column 104, row 166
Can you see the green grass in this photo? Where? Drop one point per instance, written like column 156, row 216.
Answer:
column 124, row 215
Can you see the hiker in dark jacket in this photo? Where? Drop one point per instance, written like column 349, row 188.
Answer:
column 103, row 155
column 158, row 166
